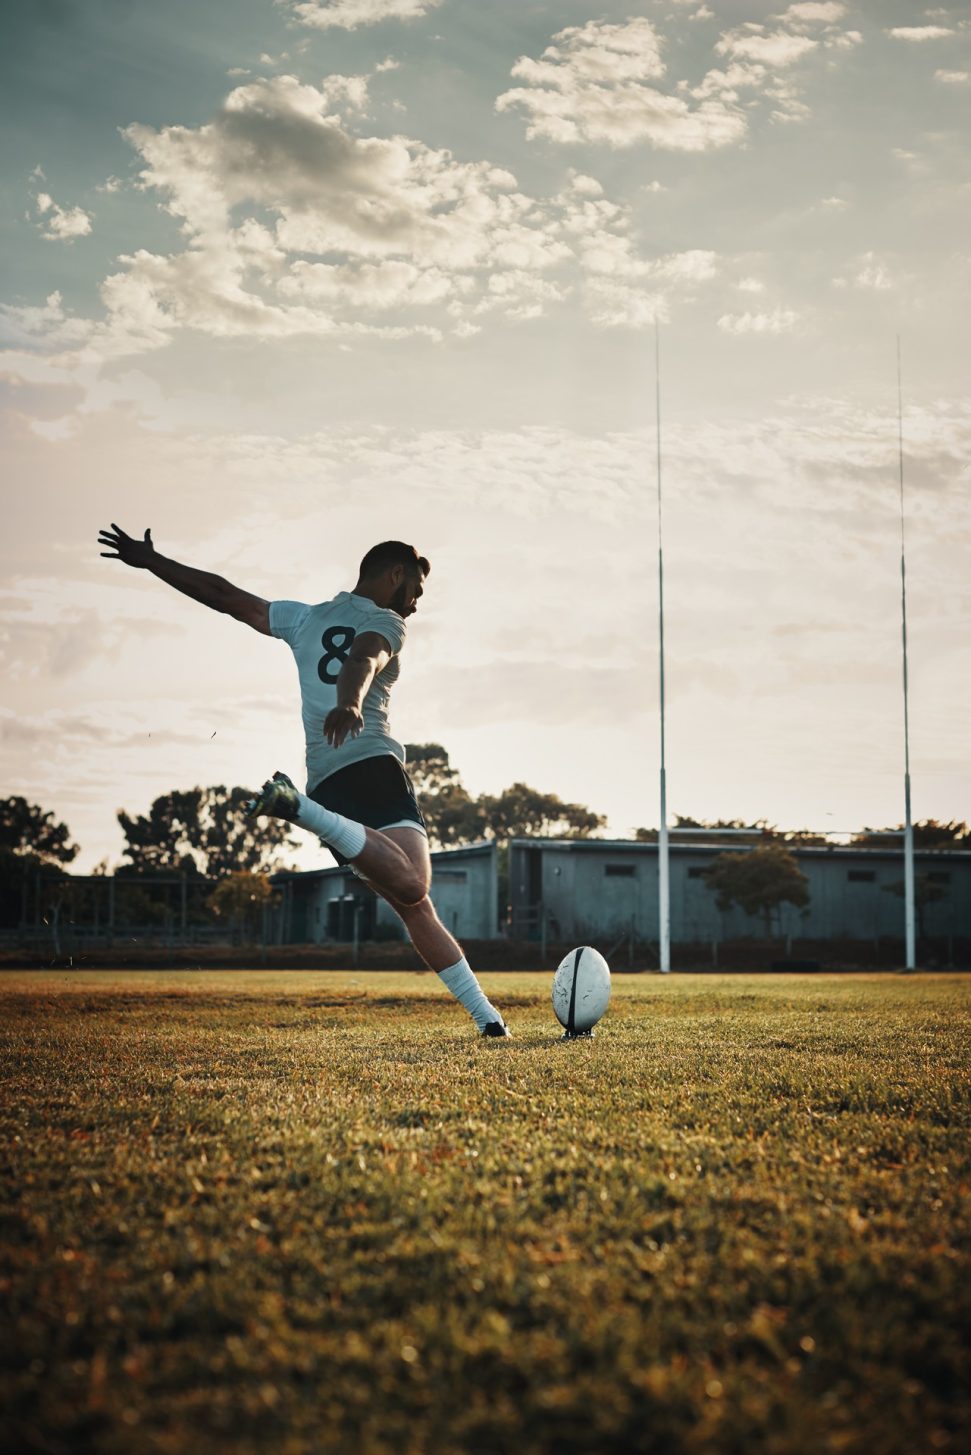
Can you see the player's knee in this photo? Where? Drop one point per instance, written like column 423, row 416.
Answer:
column 416, row 902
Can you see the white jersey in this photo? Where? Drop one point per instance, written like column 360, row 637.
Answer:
column 320, row 638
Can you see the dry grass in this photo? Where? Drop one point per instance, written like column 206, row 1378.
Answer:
column 310, row 1212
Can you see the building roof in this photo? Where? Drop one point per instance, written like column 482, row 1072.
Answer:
column 822, row 851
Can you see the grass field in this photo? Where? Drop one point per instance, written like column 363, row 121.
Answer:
column 310, row 1212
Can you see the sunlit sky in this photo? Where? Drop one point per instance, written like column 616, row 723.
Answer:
column 281, row 280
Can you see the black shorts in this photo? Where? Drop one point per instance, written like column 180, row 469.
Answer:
column 376, row 792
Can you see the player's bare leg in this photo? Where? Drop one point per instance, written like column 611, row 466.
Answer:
column 397, row 865
column 440, row 951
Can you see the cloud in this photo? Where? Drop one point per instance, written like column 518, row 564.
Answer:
column 953, row 78
column 873, row 274
column 401, row 225
column 296, row 222
column 593, row 84
column 797, row 493
column 750, row 285
column 761, row 60
column 776, row 48
column 824, row 12
column 61, row 224
column 780, row 320
column 919, row 33
column 39, row 645
column 48, row 324
column 350, row 14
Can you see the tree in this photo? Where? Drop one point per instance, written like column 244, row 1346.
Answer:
column 929, row 833
column 203, row 831
column 925, row 892
column 759, row 831
column 240, row 900
column 429, row 769
column 452, row 816
column 33, row 847
column 521, row 811
column 27, row 829
column 759, row 881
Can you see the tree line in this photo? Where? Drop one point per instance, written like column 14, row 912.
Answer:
column 202, row 833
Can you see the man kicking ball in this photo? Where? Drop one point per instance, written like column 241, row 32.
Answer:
column 360, row 801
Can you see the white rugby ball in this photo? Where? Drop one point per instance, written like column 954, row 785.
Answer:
column 581, row 990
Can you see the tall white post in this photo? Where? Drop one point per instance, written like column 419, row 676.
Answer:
column 663, row 876
column 909, row 899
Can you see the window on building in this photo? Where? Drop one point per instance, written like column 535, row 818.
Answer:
column 619, row 871
column 450, row 876
column 861, row 876
column 939, row 876
column 696, row 872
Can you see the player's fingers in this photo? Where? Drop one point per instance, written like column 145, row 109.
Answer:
column 148, row 537
column 111, row 555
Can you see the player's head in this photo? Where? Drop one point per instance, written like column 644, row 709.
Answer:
column 392, row 575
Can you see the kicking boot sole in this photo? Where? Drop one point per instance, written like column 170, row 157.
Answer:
column 276, row 799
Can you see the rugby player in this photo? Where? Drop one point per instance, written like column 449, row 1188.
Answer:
column 359, row 801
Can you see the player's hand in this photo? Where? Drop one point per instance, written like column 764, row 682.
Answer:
column 341, row 722
column 126, row 548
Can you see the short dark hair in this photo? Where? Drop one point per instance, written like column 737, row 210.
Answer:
column 392, row 553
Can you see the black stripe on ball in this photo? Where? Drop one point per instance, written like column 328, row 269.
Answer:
column 571, row 1018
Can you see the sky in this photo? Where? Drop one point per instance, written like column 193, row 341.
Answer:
column 283, row 278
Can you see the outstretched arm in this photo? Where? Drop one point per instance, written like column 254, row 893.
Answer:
column 211, row 590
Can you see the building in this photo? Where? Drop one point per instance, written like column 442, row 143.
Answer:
column 334, row 905
column 605, row 892
column 575, row 890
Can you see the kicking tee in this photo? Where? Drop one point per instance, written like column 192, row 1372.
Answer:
column 320, row 638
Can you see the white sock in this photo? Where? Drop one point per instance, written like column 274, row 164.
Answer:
column 466, row 989
column 340, row 833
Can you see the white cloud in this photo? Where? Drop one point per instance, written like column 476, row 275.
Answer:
column 920, row 33
column 345, row 93
column 873, row 274
column 350, row 14
column 389, row 284
column 585, row 186
column 25, row 325
column 592, row 84
column 953, row 78
column 844, row 40
column 835, row 204
column 823, row 12
column 777, row 48
column 61, row 224
column 750, row 285
column 398, row 223
column 780, row 320
column 294, row 224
